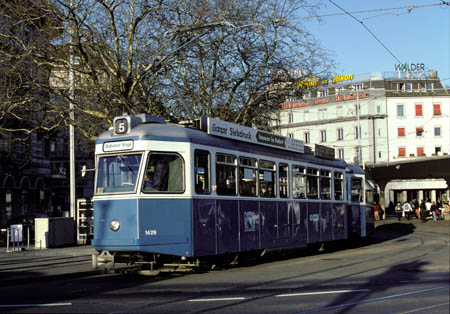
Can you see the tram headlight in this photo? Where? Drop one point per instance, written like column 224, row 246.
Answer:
column 114, row 225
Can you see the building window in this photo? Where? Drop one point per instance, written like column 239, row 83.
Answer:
column 340, row 134
column 400, row 112
column 306, row 116
column 437, row 109
column 341, row 153
column 291, row 117
column 437, row 131
column 419, row 131
column 401, row 151
column 323, row 135
column 307, row 137
column 420, row 151
column 322, row 114
column 357, row 157
column 357, row 132
column 419, row 110
column 322, row 93
column 358, row 87
column 401, row 131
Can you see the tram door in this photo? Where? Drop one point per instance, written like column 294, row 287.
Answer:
column 355, row 213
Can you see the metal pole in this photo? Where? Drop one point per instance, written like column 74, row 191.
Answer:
column 7, row 240
column 359, row 129
column 71, row 115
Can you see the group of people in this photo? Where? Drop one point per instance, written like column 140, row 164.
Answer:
column 421, row 211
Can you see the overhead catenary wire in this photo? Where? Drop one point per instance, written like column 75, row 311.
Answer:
column 409, row 8
column 368, row 29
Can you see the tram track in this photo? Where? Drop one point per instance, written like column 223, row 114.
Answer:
column 254, row 293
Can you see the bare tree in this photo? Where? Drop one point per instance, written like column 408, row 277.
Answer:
column 177, row 59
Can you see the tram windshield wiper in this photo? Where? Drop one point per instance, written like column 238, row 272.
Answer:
column 126, row 164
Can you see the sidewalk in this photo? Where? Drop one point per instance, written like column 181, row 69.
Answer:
column 440, row 226
column 65, row 262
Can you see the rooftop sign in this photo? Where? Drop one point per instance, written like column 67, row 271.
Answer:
column 245, row 134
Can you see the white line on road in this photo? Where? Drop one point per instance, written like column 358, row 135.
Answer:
column 372, row 300
column 319, row 292
column 35, row 305
column 218, row 299
column 425, row 308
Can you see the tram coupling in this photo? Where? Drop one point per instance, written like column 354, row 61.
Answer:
column 103, row 261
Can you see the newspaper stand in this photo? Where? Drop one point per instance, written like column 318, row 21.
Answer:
column 16, row 237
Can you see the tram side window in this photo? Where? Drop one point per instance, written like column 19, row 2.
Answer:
column 202, row 161
column 164, row 173
column 312, row 183
column 284, row 180
column 338, row 186
column 267, row 174
column 298, row 182
column 247, row 176
column 226, row 174
column 357, row 190
column 325, row 185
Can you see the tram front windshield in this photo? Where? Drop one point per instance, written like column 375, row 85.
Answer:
column 117, row 174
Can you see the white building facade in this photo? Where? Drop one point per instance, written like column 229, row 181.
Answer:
column 373, row 118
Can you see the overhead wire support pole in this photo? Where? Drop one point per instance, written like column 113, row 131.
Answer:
column 72, row 181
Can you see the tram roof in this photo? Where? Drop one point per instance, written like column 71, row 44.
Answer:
column 178, row 133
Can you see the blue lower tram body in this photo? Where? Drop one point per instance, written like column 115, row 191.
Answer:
column 204, row 227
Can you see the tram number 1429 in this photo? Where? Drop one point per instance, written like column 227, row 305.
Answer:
column 151, row 232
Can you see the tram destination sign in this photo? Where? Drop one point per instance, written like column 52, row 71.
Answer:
column 119, row 145
column 242, row 133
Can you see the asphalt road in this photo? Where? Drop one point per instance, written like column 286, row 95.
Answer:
column 403, row 268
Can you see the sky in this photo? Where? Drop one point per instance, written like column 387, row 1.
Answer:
column 421, row 35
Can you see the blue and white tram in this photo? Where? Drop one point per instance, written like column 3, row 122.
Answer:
column 167, row 194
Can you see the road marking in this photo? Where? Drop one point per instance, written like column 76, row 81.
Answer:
column 319, row 292
column 372, row 300
column 218, row 299
column 425, row 308
column 35, row 305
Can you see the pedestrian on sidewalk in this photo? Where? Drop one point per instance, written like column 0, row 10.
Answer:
column 376, row 209
column 434, row 209
column 423, row 210
column 399, row 211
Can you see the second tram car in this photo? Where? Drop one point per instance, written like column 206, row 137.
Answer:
column 170, row 196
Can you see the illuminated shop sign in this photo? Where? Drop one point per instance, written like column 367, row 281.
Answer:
column 325, row 81
column 341, row 78
column 409, row 67
column 294, row 105
column 306, row 84
column 338, row 98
